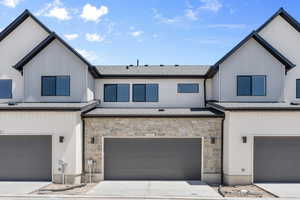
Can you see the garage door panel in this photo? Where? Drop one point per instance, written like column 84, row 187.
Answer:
column 25, row 158
column 277, row 159
column 155, row 159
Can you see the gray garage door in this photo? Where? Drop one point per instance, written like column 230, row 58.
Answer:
column 25, row 158
column 277, row 159
column 152, row 159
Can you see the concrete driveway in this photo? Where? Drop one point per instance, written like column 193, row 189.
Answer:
column 20, row 188
column 282, row 190
column 149, row 189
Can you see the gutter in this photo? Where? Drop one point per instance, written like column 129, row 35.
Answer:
column 205, row 98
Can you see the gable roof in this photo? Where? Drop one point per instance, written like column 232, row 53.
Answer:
column 20, row 65
column 19, row 20
column 281, row 58
column 285, row 15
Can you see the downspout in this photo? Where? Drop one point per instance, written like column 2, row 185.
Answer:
column 204, row 95
column 83, row 147
column 222, row 151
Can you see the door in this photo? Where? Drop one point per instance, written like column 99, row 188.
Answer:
column 25, row 158
column 152, row 159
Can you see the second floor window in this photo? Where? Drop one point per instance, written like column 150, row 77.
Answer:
column 55, row 85
column 145, row 92
column 187, row 88
column 298, row 88
column 5, row 89
column 116, row 92
column 251, row 85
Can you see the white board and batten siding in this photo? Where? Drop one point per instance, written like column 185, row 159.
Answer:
column 13, row 48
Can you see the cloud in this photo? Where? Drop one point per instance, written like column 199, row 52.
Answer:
column 59, row 13
column 71, row 36
column 137, row 33
column 227, row 26
column 94, row 37
column 155, row 35
column 89, row 55
column 91, row 13
column 191, row 14
column 10, row 3
column 211, row 5
column 161, row 19
column 55, row 9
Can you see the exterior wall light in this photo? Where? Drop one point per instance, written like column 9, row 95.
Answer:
column 92, row 140
column 61, row 139
column 213, row 140
column 244, row 138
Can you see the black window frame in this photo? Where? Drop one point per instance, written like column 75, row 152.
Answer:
column 180, row 92
column 116, row 84
column 55, row 93
column 145, row 92
column 251, row 86
column 297, row 95
column 10, row 95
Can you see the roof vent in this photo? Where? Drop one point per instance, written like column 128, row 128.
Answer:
column 130, row 65
column 161, row 109
column 146, row 65
column 176, row 65
column 12, row 103
column 295, row 103
column 161, row 65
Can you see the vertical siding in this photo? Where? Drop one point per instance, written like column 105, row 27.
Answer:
column 54, row 60
column 13, row 48
column 286, row 39
column 168, row 96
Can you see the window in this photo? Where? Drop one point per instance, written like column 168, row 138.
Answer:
column 55, row 85
column 251, row 85
column 116, row 92
column 5, row 89
column 298, row 88
column 188, row 88
column 145, row 93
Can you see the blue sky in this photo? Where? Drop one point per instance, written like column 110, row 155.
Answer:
column 153, row 31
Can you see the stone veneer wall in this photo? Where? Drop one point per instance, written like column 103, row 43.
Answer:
column 100, row 127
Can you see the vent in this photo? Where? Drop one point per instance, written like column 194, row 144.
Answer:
column 12, row 103
column 295, row 103
column 161, row 109
column 161, row 65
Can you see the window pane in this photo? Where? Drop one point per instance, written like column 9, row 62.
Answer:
column 139, row 92
column 152, row 92
column 298, row 88
column 259, row 85
column 188, row 88
column 110, row 92
column 123, row 93
column 244, row 85
column 48, row 85
column 63, row 85
column 5, row 89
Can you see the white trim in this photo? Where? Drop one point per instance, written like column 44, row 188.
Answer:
column 153, row 137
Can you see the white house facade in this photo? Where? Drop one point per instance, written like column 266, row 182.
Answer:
column 234, row 122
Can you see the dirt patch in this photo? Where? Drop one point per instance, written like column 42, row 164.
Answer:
column 243, row 191
column 52, row 189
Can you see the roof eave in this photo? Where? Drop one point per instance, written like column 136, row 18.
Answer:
column 285, row 15
column 19, row 20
